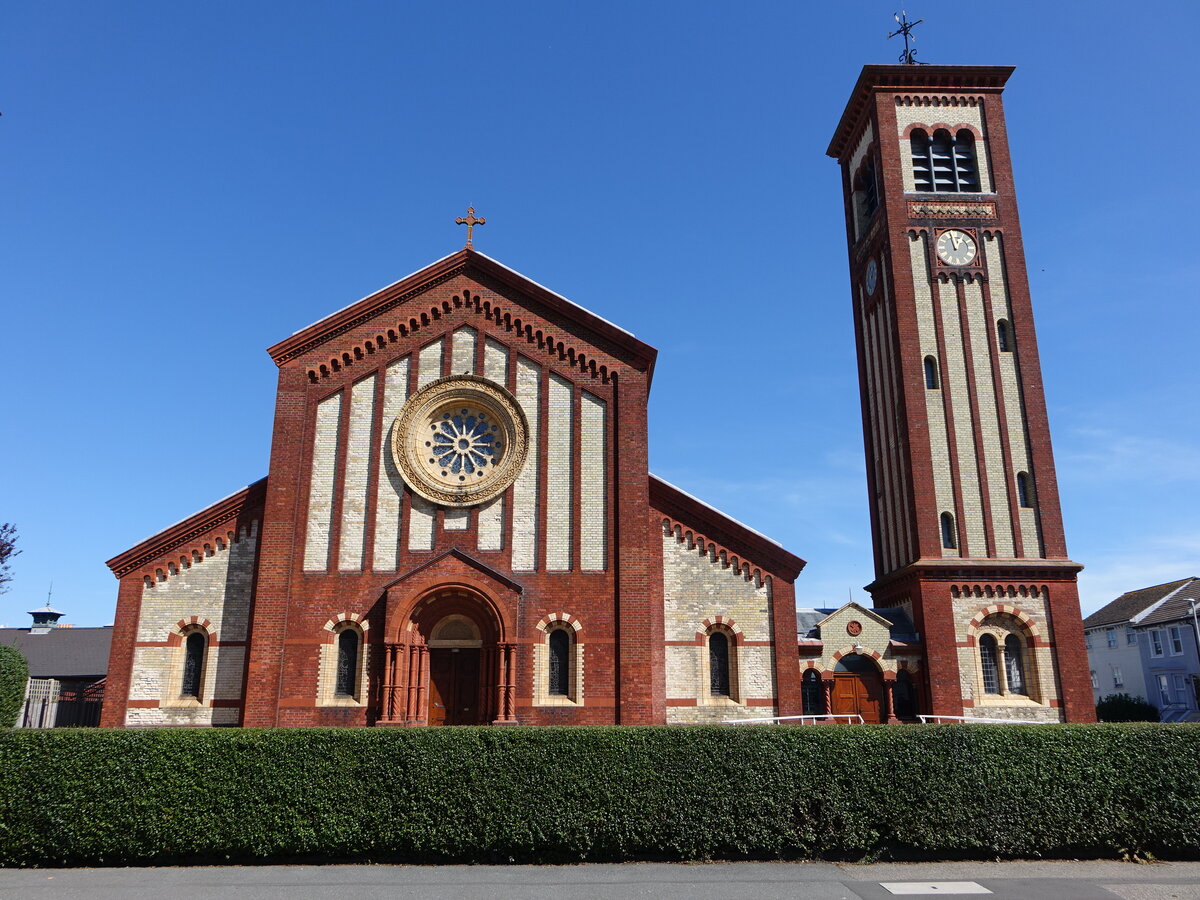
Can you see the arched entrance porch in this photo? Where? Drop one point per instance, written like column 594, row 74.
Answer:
column 857, row 689
column 449, row 663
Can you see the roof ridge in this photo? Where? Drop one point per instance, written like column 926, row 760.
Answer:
column 1138, row 617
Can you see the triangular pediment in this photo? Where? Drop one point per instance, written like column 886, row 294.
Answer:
column 446, row 566
column 396, row 304
column 857, row 610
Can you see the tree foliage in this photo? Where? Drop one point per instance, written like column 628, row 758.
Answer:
column 14, row 674
column 8, row 549
column 1126, row 708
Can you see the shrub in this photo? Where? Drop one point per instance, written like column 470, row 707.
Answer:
column 1126, row 708
column 14, row 676
column 111, row 797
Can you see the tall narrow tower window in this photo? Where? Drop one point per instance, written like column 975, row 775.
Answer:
column 944, row 163
column 949, row 539
column 1004, row 336
column 1024, row 490
column 931, row 374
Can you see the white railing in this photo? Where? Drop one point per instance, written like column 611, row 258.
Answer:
column 803, row 719
column 925, row 720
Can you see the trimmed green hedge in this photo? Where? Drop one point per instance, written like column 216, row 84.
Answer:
column 14, row 676
column 82, row 797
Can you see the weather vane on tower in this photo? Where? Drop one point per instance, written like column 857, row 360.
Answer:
column 470, row 221
column 909, row 56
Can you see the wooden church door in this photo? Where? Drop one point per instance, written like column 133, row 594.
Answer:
column 454, row 686
column 858, row 688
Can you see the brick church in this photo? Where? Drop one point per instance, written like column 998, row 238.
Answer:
column 458, row 524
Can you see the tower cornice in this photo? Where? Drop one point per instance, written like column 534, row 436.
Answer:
column 918, row 78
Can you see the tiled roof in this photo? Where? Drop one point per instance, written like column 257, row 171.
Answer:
column 1130, row 604
column 1177, row 607
column 62, row 652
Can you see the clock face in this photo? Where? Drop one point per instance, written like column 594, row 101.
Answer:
column 956, row 248
column 872, row 276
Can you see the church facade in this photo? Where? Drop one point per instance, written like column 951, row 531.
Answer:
column 459, row 526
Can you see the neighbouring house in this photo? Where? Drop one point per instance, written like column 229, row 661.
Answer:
column 67, row 669
column 1145, row 643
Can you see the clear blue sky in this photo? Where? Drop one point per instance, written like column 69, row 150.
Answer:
column 185, row 184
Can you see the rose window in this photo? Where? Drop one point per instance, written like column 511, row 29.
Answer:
column 460, row 440
column 464, row 444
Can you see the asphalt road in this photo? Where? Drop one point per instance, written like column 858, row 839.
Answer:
column 699, row 881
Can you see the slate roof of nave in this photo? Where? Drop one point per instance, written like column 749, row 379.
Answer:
column 1132, row 604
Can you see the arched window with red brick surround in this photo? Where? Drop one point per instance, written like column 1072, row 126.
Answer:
column 718, row 664
column 559, row 662
column 812, row 693
column 194, row 647
column 349, row 646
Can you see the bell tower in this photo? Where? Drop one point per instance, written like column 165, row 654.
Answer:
column 965, row 516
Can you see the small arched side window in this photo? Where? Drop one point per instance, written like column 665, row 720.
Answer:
column 1004, row 338
column 347, row 663
column 560, row 663
column 931, row 374
column 193, row 663
column 1024, row 490
column 812, row 693
column 987, row 660
column 949, row 538
column 1014, row 664
column 718, row 664
column 944, row 163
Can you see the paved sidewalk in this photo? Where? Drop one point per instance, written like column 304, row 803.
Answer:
column 1102, row 880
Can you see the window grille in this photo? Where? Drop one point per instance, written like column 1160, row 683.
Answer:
column 1176, row 640
column 347, row 663
column 193, row 663
column 944, row 163
column 949, row 539
column 1014, row 665
column 718, row 664
column 560, row 666
column 931, row 374
column 1156, row 643
column 812, row 694
column 987, row 658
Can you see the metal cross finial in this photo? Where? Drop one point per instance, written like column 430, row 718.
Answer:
column 909, row 56
column 470, row 221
